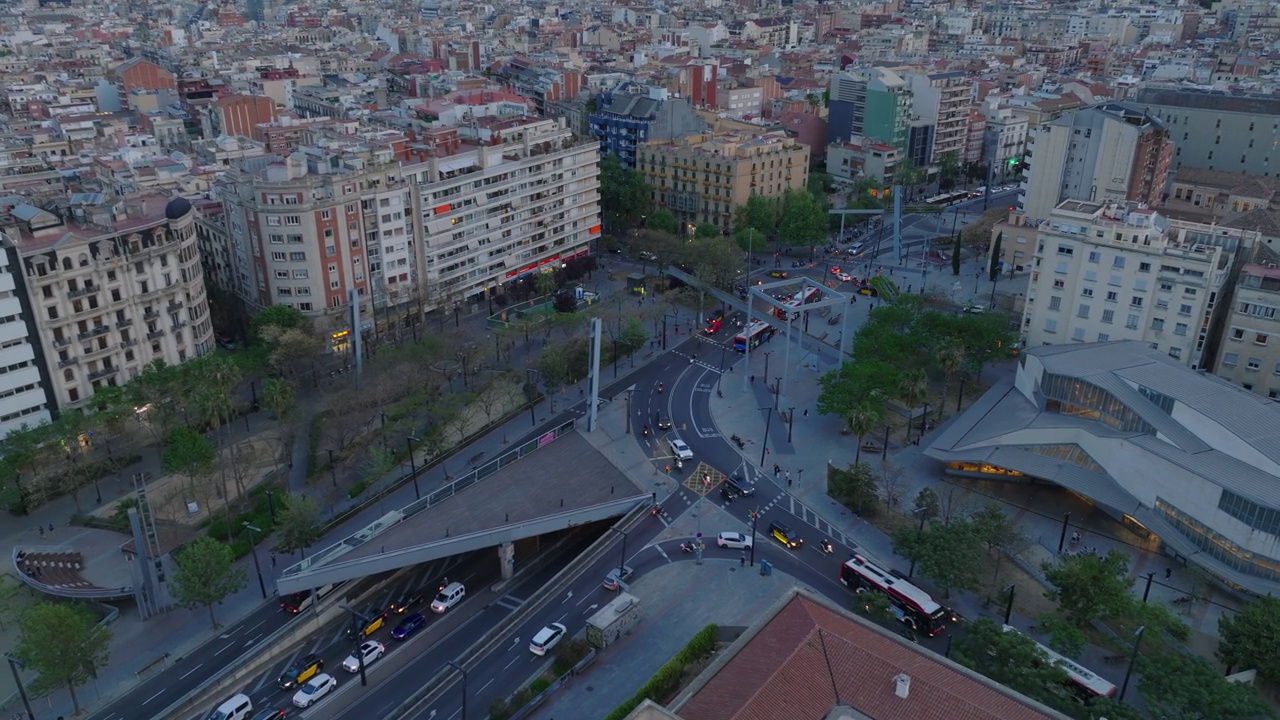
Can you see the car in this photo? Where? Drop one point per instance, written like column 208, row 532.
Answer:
column 785, row 535
column 855, row 248
column 408, row 600
column 736, row 486
column 846, row 277
column 316, row 688
column 974, row 309
column 269, row 715
column 370, row 649
column 300, row 671
column 778, row 274
column 679, row 449
column 616, row 577
column 835, row 271
column 547, row 638
column 409, row 626
column 734, row 541
column 662, row 420
column 373, row 622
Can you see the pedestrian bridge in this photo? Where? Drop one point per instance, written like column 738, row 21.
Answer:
column 553, row 482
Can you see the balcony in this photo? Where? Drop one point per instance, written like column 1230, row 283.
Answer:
column 104, row 372
column 124, row 323
column 155, row 334
column 128, row 343
column 61, row 342
column 68, row 363
column 150, row 315
column 93, row 332
column 177, row 327
column 174, row 306
column 86, row 290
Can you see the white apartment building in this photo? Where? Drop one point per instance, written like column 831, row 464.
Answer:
column 1005, row 138
column 114, row 285
column 1105, row 272
column 1249, row 355
column 942, row 99
column 23, row 375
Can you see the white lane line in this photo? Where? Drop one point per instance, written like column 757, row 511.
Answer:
column 482, row 687
column 222, row 649
column 153, row 697
column 255, row 627
column 561, row 618
column 514, row 660
column 184, row 676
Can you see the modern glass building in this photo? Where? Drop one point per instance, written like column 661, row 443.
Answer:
column 1186, row 457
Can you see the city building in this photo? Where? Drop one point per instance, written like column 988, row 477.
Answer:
column 1214, row 130
column 873, row 103
column 1104, row 271
column 634, row 114
column 1215, row 195
column 240, row 114
column 1181, row 458
column 115, row 284
column 942, row 100
column 1249, row 355
column 862, row 159
column 1004, row 140
column 1108, row 152
column 703, row 178
column 24, row 376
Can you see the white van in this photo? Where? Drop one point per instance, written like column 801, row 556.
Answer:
column 448, row 597
column 237, row 708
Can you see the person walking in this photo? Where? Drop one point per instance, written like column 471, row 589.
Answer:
column 742, row 559
column 788, row 474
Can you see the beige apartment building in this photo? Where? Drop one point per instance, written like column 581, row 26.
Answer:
column 943, row 100
column 703, row 178
column 1249, row 355
column 114, row 284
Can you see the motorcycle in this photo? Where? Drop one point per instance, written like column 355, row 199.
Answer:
column 646, row 431
column 688, row 547
column 827, row 547
column 738, row 441
column 659, row 388
column 656, row 511
column 679, row 464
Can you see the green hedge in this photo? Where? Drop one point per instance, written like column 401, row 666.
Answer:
column 667, row 679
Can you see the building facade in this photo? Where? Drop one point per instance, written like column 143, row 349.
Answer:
column 1123, row 272
column 25, row 399
column 853, row 161
column 872, row 102
column 1108, row 152
column 1181, row 458
column 626, row 119
column 943, row 99
column 114, row 285
column 703, row 178
column 1249, row 357
column 1218, row 131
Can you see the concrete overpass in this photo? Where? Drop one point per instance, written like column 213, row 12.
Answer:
column 554, row 482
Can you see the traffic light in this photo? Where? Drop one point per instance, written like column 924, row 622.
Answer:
column 1013, row 162
column 874, row 192
column 887, row 191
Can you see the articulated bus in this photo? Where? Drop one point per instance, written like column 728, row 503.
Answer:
column 914, row 607
column 946, row 199
column 804, row 297
column 755, row 333
column 1086, row 684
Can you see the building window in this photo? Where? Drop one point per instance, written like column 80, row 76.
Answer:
column 1260, row 339
column 292, row 219
column 1184, row 310
column 1254, row 363
column 1108, row 316
column 1237, row 333
column 1103, row 337
column 1086, row 292
column 1055, row 303
column 1166, row 287
column 1112, row 296
column 1131, row 322
column 1077, row 334
column 1144, row 267
column 300, row 274
column 1157, row 324
column 1051, row 325
column 1118, row 262
column 1180, row 329
column 276, row 239
column 1175, row 353
column 298, row 256
column 1231, row 359
column 277, row 256
column 325, row 214
column 1059, row 284
column 1135, row 301
column 1083, row 312
column 1094, row 256
column 1065, row 250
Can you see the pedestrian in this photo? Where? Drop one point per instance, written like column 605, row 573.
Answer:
column 41, row 529
column 806, row 413
column 753, row 378
column 742, row 559
column 1168, row 573
column 788, row 478
column 776, row 468
column 50, row 528
column 273, row 558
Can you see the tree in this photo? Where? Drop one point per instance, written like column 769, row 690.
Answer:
column 750, row 239
column 1250, row 639
column 908, row 175
column 300, row 525
column 282, row 317
column 187, row 453
column 715, row 260
column 1009, row 658
column 999, row 531
column 633, row 336
column 1089, row 586
column 663, row 246
column 278, row 397
column 949, row 165
column 955, row 255
column 291, row 351
column 624, row 197
column 758, row 213
column 64, row 645
column 854, row 487
column 663, row 221
column 950, row 554
column 1180, row 686
column 803, row 221
column 950, row 358
column 873, row 605
column 994, row 271
column 862, row 419
column 706, row 230
column 913, row 387
column 545, row 283
column 206, row 574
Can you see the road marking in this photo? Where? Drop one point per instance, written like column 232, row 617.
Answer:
column 222, row 649
column 509, row 602
column 184, row 676
column 514, row 660
column 153, row 697
column 568, row 596
column 254, row 640
column 662, row 552
column 482, row 687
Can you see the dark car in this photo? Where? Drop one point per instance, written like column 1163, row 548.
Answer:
column 736, row 487
column 785, row 535
column 300, row 671
column 408, row 600
column 409, row 626
column 662, row 420
column 269, row 715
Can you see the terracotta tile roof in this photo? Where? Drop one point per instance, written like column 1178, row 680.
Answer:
column 808, row 657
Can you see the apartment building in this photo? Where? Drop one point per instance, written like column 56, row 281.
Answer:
column 24, row 376
column 942, row 100
column 871, row 102
column 1005, row 138
column 1216, row 130
column 114, row 284
column 1248, row 356
column 634, row 114
column 1108, row 152
column 1105, row 271
column 862, row 159
column 703, row 178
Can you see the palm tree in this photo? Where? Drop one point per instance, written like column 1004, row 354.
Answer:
column 950, row 357
column 863, row 418
column 913, row 388
column 278, row 396
column 545, row 283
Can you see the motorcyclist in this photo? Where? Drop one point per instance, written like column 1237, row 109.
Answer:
column 659, row 387
column 646, row 431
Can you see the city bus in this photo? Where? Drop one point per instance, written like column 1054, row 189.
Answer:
column 755, row 333
column 946, row 199
column 804, row 297
column 1085, row 683
column 914, row 607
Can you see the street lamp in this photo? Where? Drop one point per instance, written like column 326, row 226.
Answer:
column 623, row 562
column 1008, row 608
column 764, row 446
column 408, row 440
column 1137, row 641
column 755, row 515
column 924, row 419
column 14, row 664
column 884, row 451
column 333, row 475
column 462, row 670
column 254, row 547
column 791, row 421
column 921, row 511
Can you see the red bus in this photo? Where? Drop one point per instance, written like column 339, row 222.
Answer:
column 804, row 297
column 754, row 334
column 911, row 605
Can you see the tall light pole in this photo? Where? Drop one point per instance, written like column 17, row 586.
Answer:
column 462, row 670
column 1137, row 641
column 14, row 664
column 791, row 422
column 253, row 546
column 755, row 515
column 921, row 511
column 413, row 468
column 333, row 475
column 764, row 446
column 623, row 562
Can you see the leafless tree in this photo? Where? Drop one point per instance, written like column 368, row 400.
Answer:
column 241, row 464
column 953, row 503
column 893, row 483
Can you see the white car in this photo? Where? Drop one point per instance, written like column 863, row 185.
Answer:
column 370, row 649
column 733, row 541
column 679, row 449
column 846, row 277
column 316, row 688
column 547, row 638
